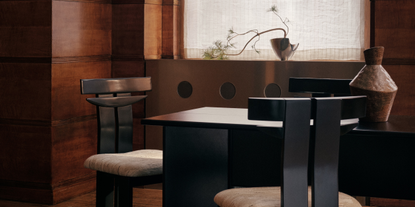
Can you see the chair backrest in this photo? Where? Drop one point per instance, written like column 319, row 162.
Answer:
column 320, row 87
column 113, row 101
column 328, row 114
column 322, row 141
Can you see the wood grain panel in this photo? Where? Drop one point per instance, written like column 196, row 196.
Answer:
column 88, row 1
column 395, row 28
column 25, row 28
column 43, row 194
column 171, row 37
column 152, row 31
column 26, row 89
column 67, row 101
column 31, row 194
column 72, row 144
column 69, row 191
column 404, row 76
column 81, row 29
column 128, row 2
column 397, row 42
column 168, row 23
column 128, row 30
column 128, row 68
column 27, row 155
column 177, row 31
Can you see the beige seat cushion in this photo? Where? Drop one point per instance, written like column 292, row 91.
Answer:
column 266, row 197
column 131, row 164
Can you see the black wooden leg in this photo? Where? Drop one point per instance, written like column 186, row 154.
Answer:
column 123, row 192
column 195, row 164
column 105, row 190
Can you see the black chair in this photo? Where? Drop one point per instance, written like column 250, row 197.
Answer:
column 118, row 167
column 295, row 113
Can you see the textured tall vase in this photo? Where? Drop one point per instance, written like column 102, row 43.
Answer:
column 374, row 82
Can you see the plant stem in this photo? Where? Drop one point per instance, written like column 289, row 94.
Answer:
column 288, row 29
column 258, row 34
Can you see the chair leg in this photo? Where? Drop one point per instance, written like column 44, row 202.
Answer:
column 123, row 192
column 105, row 190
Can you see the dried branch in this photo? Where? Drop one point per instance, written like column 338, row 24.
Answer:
column 218, row 51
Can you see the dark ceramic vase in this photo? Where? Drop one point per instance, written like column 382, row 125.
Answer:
column 375, row 82
column 283, row 48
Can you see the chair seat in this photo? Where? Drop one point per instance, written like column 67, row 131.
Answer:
column 130, row 164
column 266, row 197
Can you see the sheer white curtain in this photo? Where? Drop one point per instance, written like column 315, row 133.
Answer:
column 325, row 29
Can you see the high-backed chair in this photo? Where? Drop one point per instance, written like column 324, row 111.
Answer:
column 320, row 87
column 118, row 167
column 324, row 134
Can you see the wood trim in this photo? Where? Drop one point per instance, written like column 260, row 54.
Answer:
column 171, row 2
column 152, row 57
column 46, row 123
column 25, row 60
column 97, row 58
column 128, row 1
column 88, row 1
column 159, row 2
column 25, row 122
column 127, row 58
column 56, row 60
column 396, row 61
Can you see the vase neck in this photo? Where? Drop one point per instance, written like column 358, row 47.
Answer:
column 374, row 56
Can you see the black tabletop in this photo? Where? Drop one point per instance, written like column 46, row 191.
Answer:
column 403, row 125
column 217, row 117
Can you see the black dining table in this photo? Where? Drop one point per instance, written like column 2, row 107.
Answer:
column 209, row 149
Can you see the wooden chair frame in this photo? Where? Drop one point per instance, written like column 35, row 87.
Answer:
column 113, row 102
column 323, row 142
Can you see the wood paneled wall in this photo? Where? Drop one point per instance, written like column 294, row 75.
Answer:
column 46, row 46
column 47, row 128
column 393, row 26
column 25, row 116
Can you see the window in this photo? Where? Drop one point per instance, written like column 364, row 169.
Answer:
column 324, row 29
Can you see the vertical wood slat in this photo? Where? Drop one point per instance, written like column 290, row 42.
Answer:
column 393, row 26
column 81, row 49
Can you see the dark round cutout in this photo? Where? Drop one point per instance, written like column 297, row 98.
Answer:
column 272, row 90
column 227, row 90
column 185, row 89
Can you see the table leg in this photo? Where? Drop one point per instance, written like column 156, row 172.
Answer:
column 195, row 162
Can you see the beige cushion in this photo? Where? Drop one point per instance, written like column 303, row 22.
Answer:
column 131, row 164
column 266, row 197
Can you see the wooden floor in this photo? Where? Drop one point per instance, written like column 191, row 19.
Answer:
column 142, row 198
